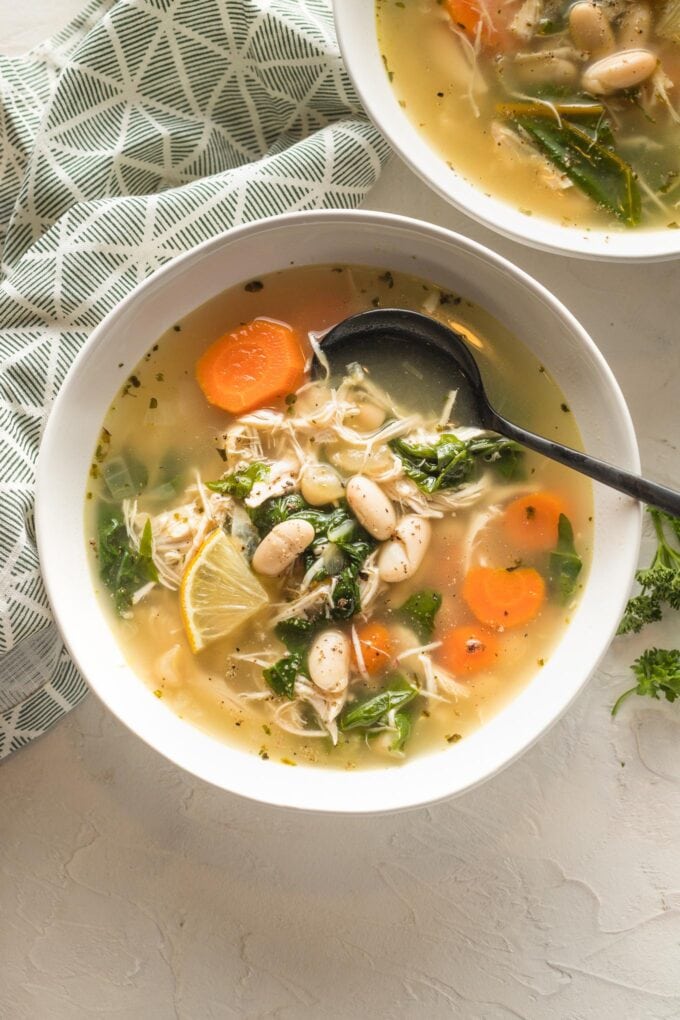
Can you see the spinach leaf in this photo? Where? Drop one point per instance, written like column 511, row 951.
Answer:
column 276, row 510
column 368, row 713
column 451, row 462
column 403, row 724
column 281, row 676
column 240, row 483
column 565, row 563
column 296, row 633
column 346, row 596
column 419, row 612
column 122, row 569
column 340, row 545
column 596, row 169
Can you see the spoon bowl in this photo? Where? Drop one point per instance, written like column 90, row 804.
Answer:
column 400, row 328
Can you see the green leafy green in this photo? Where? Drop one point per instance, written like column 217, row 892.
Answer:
column 240, row 483
column 367, row 713
column 346, row 597
column 276, row 510
column 419, row 612
column 660, row 582
column 658, row 672
column 565, row 562
column 122, row 569
column 402, row 721
column 451, row 462
column 296, row 633
column 281, row 676
column 339, row 549
column 593, row 167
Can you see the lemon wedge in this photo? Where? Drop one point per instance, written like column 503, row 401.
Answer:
column 219, row 592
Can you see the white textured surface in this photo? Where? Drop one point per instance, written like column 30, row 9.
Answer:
column 129, row 890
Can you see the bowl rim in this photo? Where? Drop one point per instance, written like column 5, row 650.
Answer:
column 361, row 55
column 56, row 586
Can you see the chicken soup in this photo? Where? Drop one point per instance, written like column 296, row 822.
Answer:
column 340, row 571
column 566, row 110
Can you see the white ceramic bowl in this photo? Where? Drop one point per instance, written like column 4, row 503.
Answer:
column 357, row 34
column 321, row 237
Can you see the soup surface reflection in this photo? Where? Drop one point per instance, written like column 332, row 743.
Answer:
column 350, row 572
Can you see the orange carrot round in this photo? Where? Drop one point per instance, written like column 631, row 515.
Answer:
column 468, row 649
column 251, row 366
column 376, row 646
column 504, row 598
column 531, row 522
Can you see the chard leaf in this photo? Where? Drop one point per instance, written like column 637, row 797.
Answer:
column 595, row 169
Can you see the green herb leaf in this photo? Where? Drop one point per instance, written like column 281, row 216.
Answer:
column 346, row 596
column 240, row 483
column 419, row 612
column 122, row 569
column 403, row 724
column 451, row 462
column 594, row 168
column 565, row 562
column 281, row 676
column 658, row 672
column 296, row 633
column 660, row 582
column 373, row 710
column 276, row 510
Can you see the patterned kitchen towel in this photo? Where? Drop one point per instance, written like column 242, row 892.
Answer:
column 144, row 128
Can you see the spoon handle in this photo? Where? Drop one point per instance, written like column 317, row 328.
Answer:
column 632, row 485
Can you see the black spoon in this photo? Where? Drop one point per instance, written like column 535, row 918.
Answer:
column 386, row 327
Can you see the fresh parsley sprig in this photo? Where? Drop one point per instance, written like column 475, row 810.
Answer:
column 660, row 582
column 658, row 672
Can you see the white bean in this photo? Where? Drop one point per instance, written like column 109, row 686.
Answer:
column 282, row 546
column 328, row 661
column 320, row 485
column 619, row 71
column 371, row 507
column 351, row 459
column 548, row 70
column 399, row 558
column 590, row 29
column 369, row 418
column 635, row 27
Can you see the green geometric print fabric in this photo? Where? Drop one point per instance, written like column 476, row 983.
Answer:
column 144, row 128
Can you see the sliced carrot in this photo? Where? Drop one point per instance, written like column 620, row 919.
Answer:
column 469, row 649
column 531, row 522
column 376, row 646
column 251, row 366
column 474, row 19
column 504, row 598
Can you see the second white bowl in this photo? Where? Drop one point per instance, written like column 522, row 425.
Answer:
column 357, row 34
